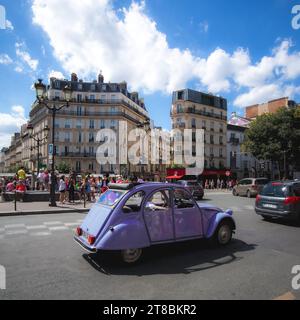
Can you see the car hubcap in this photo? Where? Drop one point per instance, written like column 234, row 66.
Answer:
column 131, row 255
column 224, row 234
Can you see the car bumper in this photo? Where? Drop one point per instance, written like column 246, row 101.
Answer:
column 276, row 214
column 85, row 246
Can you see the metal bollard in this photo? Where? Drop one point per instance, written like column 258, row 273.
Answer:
column 15, row 201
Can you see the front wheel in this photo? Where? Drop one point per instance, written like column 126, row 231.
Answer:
column 223, row 234
column 131, row 256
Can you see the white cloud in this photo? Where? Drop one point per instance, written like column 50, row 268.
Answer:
column 265, row 93
column 56, row 74
column 128, row 46
column 25, row 56
column 5, row 59
column 19, row 69
column 9, row 25
column 11, row 123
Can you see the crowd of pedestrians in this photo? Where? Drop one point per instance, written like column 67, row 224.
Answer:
column 219, row 184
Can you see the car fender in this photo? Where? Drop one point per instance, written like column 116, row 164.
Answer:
column 129, row 235
column 216, row 220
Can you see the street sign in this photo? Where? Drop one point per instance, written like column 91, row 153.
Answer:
column 227, row 173
column 50, row 156
column 50, row 161
column 50, row 149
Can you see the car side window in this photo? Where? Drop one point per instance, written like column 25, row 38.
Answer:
column 159, row 201
column 133, row 204
column 182, row 199
column 297, row 190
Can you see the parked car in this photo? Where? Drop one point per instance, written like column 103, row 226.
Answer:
column 194, row 187
column 279, row 200
column 249, row 187
column 130, row 217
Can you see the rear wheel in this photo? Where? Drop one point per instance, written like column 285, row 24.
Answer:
column 131, row 256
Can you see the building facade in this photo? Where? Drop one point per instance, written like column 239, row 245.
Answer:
column 243, row 164
column 196, row 110
column 95, row 105
column 251, row 112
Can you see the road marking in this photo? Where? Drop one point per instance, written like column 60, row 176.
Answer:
column 40, row 234
column 11, row 226
column 286, row 296
column 8, row 233
column 71, row 224
column 248, row 207
column 58, row 228
column 50, row 223
column 36, row 227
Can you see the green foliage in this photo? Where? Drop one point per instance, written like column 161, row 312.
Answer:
column 272, row 135
column 63, row 167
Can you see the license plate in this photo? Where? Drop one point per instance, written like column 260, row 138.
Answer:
column 84, row 234
column 268, row 205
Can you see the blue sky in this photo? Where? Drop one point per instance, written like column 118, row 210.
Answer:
column 246, row 51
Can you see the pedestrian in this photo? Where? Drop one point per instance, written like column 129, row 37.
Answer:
column 218, row 183
column 62, row 189
column 71, row 191
column 20, row 190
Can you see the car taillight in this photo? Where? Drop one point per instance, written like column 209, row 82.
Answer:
column 291, row 200
column 91, row 239
column 258, row 197
column 78, row 231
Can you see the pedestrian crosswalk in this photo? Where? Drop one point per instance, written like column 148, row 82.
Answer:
column 47, row 228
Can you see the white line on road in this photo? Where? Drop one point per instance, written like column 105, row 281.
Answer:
column 40, row 234
column 8, row 233
column 248, row 207
column 50, row 223
column 58, row 228
column 36, row 227
column 71, row 224
column 11, row 226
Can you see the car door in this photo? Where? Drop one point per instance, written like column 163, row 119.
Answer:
column 239, row 187
column 158, row 216
column 187, row 215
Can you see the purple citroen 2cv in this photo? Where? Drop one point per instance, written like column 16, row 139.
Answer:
column 131, row 217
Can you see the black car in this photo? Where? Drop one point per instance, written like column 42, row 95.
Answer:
column 280, row 199
column 194, row 187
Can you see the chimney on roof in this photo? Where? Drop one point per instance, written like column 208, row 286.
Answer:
column 74, row 77
column 100, row 77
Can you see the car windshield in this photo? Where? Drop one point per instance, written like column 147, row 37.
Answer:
column 192, row 183
column 261, row 181
column 111, row 197
column 275, row 190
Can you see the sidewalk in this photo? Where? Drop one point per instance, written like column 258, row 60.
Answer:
column 30, row 208
column 217, row 190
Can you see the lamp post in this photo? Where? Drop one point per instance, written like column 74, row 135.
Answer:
column 43, row 101
column 146, row 126
column 38, row 142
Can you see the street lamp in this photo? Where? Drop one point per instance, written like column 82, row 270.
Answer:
column 42, row 100
column 38, row 141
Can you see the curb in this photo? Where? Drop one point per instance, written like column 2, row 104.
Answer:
column 40, row 212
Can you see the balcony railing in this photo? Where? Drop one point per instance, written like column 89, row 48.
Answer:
column 76, row 154
column 202, row 113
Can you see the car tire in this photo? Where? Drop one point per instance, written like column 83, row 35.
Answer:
column 248, row 194
column 131, row 256
column 223, row 234
column 266, row 218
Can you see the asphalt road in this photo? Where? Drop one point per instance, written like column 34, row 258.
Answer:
column 43, row 262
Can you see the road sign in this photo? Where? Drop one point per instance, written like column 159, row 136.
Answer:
column 227, row 173
column 50, row 149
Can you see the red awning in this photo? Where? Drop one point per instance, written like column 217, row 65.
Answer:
column 174, row 177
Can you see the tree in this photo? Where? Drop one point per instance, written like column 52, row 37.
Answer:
column 63, row 167
column 275, row 137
